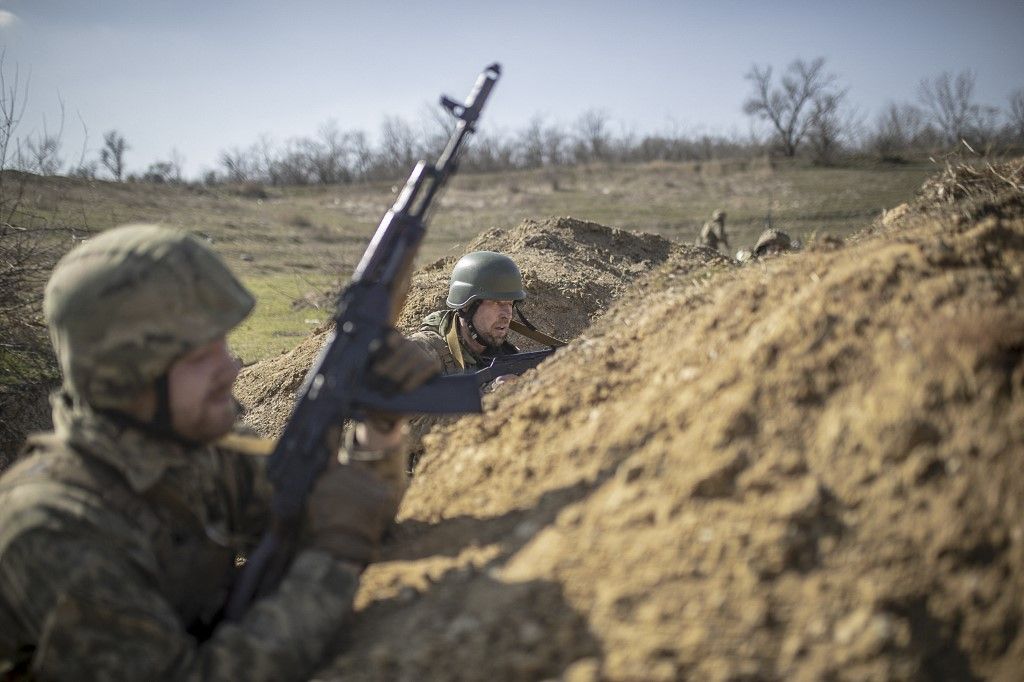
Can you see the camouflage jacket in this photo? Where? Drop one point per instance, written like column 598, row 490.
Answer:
column 116, row 552
column 439, row 336
column 712, row 234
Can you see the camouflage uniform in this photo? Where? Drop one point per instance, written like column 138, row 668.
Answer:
column 439, row 335
column 435, row 335
column 477, row 276
column 712, row 234
column 118, row 541
column 117, row 550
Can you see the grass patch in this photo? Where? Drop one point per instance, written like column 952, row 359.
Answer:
column 278, row 323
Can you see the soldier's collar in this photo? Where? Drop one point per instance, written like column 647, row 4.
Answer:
column 140, row 457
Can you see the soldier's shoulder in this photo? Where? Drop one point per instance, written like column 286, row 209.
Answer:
column 429, row 339
column 51, row 491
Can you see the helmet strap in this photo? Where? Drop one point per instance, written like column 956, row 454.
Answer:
column 467, row 314
column 160, row 425
column 161, row 421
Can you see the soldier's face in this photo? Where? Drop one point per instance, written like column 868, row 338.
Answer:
column 491, row 320
column 199, row 389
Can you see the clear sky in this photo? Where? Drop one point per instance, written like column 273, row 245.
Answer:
column 204, row 76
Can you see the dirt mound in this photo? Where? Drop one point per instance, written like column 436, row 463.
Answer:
column 808, row 468
column 572, row 270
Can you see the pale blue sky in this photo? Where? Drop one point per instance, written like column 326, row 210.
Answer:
column 205, row 76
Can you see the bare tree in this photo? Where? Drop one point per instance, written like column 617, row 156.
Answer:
column 327, row 155
column 112, row 154
column 177, row 162
column 827, row 127
column 949, row 103
column 12, row 107
column 555, row 145
column 360, row 154
column 159, row 172
column 530, row 144
column 788, row 106
column 897, row 129
column 241, row 165
column 593, row 139
column 398, row 147
column 491, row 151
column 1016, row 114
column 42, row 151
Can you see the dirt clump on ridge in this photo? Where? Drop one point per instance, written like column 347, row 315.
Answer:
column 807, row 468
column 572, row 270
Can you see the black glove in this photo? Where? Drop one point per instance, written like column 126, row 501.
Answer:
column 349, row 511
column 403, row 364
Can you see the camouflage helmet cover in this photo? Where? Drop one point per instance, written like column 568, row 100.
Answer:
column 771, row 239
column 126, row 304
column 485, row 275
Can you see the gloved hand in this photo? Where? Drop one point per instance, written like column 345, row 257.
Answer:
column 349, row 511
column 403, row 364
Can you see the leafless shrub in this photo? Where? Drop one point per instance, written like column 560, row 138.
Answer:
column 33, row 235
column 950, row 106
column 1016, row 114
column 788, row 106
column 112, row 153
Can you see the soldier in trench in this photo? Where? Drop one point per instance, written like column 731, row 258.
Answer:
column 483, row 294
column 712, row 234
column 119, row 531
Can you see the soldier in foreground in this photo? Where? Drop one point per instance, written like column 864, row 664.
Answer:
column 712, row 234
column 119, row 532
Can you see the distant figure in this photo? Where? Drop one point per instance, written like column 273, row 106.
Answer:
column 713, row 233
column 771, row 242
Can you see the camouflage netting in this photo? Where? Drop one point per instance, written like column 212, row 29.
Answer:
column 808, row 468
column 572, row 270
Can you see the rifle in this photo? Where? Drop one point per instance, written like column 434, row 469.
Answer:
column 338, row 385
column 516, row 363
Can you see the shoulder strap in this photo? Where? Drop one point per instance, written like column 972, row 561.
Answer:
column 535, row 334
column 452, row 337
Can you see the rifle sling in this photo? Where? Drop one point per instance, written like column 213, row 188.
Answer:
column 452, row 337
column 538, row 336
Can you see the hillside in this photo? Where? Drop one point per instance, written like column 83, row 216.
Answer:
column 807, row 468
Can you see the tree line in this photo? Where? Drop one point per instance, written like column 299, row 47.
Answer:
column 800, row 110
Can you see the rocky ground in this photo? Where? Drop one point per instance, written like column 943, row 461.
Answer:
column 805, row 468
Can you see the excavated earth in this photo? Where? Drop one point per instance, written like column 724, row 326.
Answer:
column 807, row 468
column 573, row 270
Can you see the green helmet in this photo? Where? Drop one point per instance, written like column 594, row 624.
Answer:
column 126, row 304
column 485, row 275
column 771, row 240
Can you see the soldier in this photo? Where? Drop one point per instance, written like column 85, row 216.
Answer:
column 712, row 235
column 484, row 288
column 771, row 243
column 119, row 531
